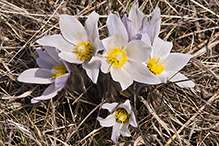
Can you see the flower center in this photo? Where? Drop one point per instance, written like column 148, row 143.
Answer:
column 58, row 70
column 122, row 116
column 83, row 50
column 155, row 65
column 117, row 57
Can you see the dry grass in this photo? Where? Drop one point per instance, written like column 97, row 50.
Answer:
column 166, row 114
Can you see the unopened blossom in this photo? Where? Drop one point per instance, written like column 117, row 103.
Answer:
column 166, row 65
column 52, row 71
column 149, row 31
column 140, row 28
column 77, row 44
column 124, row 59
column 120, row 118
column 133, row 22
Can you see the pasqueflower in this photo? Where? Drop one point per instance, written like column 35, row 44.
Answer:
column 52, row 71
column 149, row 31
column 133, row 22
column 162, row 63
column 124, row 59
column 138, row 26
column 77, row 44
column 120, row 118
column 166, row 65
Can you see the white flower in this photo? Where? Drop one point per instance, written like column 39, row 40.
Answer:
column 162, row 63
column 166, row 65
column 120, row 119
column 122, row 59
column 52, row 71
column 78, row 44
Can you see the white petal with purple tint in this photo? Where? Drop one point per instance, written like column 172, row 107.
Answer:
column 36, row 75
column 49, row 93
column 72, row 29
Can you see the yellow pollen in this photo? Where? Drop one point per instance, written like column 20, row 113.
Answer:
column 122, row 116
column 83, row 50
column 117, row 57
column 58, row 70
column 155, row 65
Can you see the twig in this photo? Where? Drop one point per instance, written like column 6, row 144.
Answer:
column 205, row 8
column 193, row 117
column 83, row 121
column 36, row 32
column 199, row 63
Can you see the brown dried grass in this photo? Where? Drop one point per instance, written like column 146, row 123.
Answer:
column 171, row 116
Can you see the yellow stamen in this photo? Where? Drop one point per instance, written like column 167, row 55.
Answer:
column 155, row 65
column 122, row 116
column 83, row 50
column 117, row 57
column 58, row 70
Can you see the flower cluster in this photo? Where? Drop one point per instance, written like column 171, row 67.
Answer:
column 132, row 52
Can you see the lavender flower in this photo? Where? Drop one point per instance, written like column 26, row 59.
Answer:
column 52, row 71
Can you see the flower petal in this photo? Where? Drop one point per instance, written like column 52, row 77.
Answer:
column 97, row 46
column 108, row 121
column 176, row 61
column 53, row 53
column 91, row 27
column 117, row 41
column 152, row 29
column 140, row 73
column 129, row 27
column 45, row 60
column 127, row 106
column 122, row 76
column 49, row 93
column 109, row 106
column 145, row 27
column 161, row 48
column 136, row 16
column 145, row 38
column 36, row 76
column 166, row 74
column 56, row 41
column 124, row 130
column 155, row 23
column 70, row 57
column 183, row 84
column 72, row 29
column 132, row 120
column 41, row 63
column 116, row 132
column 92, row 68
column 67, row 65
column 61, row 80
column 116, row 27
column 105, row 65
column 106, row 41
column 138, row 50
